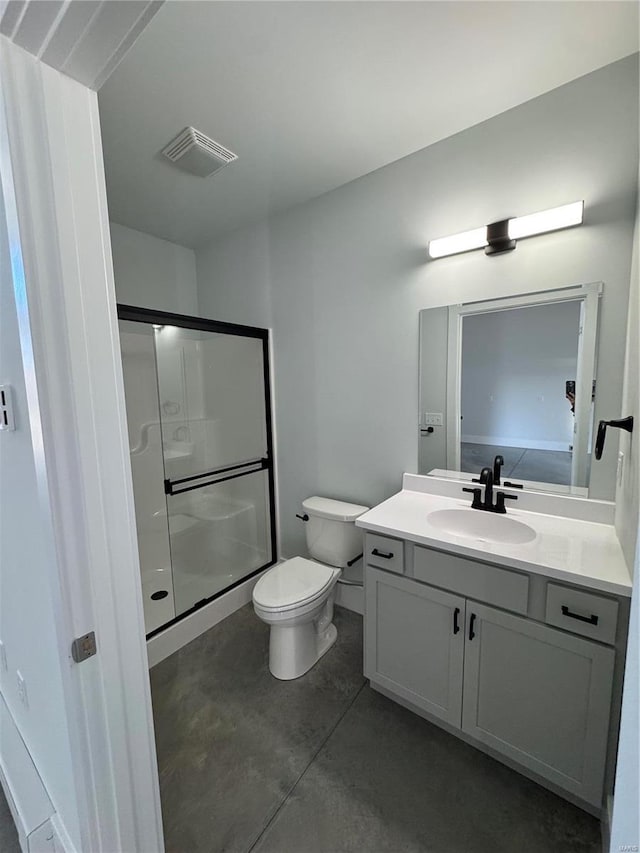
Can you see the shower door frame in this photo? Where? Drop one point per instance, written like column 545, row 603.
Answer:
column 162, row 318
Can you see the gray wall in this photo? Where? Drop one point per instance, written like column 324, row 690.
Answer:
column 342, row 279
column 153, row 273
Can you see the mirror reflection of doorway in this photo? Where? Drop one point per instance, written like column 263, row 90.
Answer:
column 515, row 366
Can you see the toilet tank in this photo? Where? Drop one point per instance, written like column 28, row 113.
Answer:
column 332, row 536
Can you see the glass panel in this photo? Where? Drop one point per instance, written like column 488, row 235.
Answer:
column 219, row 535
column 141, row 394
column 212, row 400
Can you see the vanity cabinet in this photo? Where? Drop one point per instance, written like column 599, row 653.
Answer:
column 415, row 643
column 535, row 694
column 539, row 696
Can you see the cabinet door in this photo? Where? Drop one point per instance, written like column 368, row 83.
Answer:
column 539, row 696
column 412, row 647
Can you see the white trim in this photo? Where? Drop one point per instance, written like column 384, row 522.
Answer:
column 524, row 443
column 589, row 295
column 351, row 597
column 176, row 636
column 77, row 414
column 585, row 374
column 454, row 386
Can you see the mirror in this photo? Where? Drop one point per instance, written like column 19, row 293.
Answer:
column 519, row 382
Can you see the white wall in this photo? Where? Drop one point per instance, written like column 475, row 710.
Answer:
column 27, row 566
column 347, row 275
column 626, row 815
column 153, row 273
column 514, row 368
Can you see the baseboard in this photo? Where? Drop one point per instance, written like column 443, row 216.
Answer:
column 24, row 790
column 605, row 824
column 178, row 635
column 350, row 597
column 526, row 444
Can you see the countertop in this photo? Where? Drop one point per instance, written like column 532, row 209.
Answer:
column 566, row 549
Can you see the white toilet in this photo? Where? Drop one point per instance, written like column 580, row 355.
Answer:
column 296, row 597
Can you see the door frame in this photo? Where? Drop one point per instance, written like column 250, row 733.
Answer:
column 150, row 316
column 588, row 295
column 52, row 175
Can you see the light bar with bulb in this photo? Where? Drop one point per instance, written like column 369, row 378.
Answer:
column 464, row 242
column 499, row 237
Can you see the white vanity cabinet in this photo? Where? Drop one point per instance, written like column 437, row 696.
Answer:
column 539, row 696
column 415, row 643
column 529, row 691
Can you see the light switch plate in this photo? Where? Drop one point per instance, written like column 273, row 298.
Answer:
column 433, row 419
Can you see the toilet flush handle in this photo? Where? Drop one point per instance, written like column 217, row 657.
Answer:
column 304, row 517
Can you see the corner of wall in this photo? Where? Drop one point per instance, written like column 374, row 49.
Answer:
column 628, row 488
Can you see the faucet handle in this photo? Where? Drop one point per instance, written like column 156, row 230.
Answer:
column 501, row 498
column 477, row 497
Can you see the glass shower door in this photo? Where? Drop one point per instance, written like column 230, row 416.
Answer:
column 214, row 413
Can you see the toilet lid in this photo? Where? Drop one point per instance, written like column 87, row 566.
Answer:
column 292, row 582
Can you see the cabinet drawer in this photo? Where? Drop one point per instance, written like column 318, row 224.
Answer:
column 501, row 587
column 385, row 552
column 582, row 612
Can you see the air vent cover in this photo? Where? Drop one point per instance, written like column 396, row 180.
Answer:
column 196, row 153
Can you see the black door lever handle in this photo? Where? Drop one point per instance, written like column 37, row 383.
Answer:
column 621, row 423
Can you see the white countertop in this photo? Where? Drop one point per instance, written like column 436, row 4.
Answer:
column 567, row 549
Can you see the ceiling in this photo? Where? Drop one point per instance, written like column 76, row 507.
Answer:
column 311, row 95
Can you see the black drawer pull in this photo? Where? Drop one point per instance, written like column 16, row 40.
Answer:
column 472, row 633
column 377, row 553
column 456, row 626
column 591, row 620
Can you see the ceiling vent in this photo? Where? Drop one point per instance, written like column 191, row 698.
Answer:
column 196, row 153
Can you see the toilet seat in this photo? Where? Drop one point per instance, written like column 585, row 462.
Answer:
column 295, row 582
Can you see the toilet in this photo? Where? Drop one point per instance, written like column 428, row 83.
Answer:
column 296, row 597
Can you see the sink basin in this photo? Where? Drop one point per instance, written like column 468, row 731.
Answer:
column 480, row 525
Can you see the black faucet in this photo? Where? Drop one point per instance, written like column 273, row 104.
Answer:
column 487, row 480
column 498, row 462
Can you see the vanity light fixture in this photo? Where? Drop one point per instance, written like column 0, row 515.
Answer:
column 501, row 236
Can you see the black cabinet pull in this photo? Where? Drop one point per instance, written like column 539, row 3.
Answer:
column 591, row 620
column 456, row 626
column 472, row 633
column 377, row 553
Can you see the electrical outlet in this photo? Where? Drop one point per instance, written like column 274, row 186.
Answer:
column 433, row 419
column 22, row 689
column 3, row 657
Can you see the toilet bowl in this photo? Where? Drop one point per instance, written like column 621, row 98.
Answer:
column 296, row 597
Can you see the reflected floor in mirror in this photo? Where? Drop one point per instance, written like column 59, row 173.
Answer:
column 543, row 466
column 324, row 764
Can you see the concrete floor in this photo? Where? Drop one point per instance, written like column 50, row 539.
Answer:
column 324, row 764
column 8, row 836
column 543, row 466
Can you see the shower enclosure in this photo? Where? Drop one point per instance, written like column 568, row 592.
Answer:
column 199, row 418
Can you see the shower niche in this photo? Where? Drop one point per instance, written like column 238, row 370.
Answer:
column 199, row 418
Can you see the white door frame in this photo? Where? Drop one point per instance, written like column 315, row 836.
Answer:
column 53, row 183
column 588, row 295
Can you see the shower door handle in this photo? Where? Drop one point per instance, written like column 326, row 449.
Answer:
column 220, row 475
